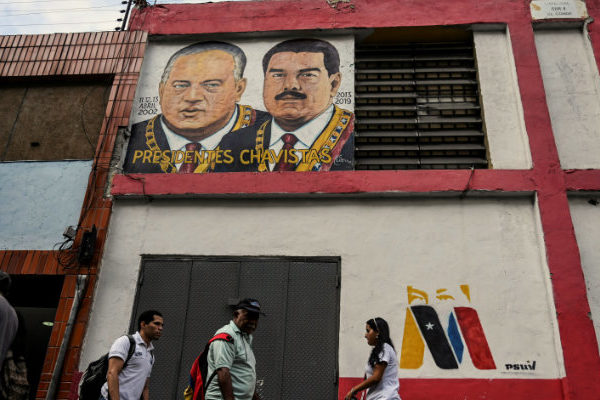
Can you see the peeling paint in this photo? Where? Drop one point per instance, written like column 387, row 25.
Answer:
column 338, row 6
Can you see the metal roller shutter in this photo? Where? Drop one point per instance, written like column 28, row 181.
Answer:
column 417, row 107
column 295, row 344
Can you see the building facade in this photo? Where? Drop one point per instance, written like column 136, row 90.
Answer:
column 64, row 97
column 464, row 212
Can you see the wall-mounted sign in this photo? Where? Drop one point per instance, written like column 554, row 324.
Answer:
column 248, row 106
column 558, row 9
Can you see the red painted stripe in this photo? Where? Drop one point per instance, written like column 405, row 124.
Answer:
column 260, row 16
column 580, row 180
column 324, row 182
column 474, row 337
column 471, row 389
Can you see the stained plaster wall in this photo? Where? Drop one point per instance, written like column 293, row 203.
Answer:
column 502, row 108
column 572, row 88
column 38, row 200
column 586, row 221
column 492, row 245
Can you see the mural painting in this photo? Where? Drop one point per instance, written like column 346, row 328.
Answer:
column 423, row 326
column 206, row 125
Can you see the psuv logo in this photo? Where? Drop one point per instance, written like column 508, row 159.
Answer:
column 422, row 326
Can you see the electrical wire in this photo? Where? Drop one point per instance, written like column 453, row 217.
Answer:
column 59, row 10
column 92, row 190
column 34, row 1
column 62, row 23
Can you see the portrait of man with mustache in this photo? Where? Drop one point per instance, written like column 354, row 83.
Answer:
column 301, row 79
column 199, row 92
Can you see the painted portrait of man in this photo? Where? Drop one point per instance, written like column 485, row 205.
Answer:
column 199, row 92
column 306, row 131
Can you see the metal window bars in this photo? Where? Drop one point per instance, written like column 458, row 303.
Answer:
column 417, row 107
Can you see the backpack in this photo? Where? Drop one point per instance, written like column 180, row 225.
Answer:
column 13, row 380
column 94, row 375
column 196, row 388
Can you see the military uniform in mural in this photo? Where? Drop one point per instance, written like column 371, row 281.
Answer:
column 150, row 135
column 250, row 146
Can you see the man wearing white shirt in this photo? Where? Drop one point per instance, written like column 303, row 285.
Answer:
column 199, row 90
column 127, row 379
column 307, row 132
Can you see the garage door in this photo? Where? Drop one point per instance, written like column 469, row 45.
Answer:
column 295, row 345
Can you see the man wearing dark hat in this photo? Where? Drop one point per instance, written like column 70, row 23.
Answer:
column 234, row 360
column 8, row 318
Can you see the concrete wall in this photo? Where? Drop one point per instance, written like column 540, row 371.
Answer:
column 38, row 200
column 573, row 94
column 491, row 245
column 586, row 221
column 502, row 110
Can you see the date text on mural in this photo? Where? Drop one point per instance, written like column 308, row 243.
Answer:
column 148, row 105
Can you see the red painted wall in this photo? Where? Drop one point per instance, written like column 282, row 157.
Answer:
column 546, row 179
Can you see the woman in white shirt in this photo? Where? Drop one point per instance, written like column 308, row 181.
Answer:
column 381, row 372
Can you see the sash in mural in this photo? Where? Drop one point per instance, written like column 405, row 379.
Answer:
column 224, row 107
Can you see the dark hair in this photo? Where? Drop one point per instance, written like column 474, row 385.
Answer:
column 147, row 317
column 380, row 326
column 5, row 283
column 330, row 53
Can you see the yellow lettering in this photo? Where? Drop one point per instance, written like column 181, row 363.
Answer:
column 293, row 157
column 204, row 156
column 179, row 156
column 303, row 152
column 156, row 157
column 325, row 156
column 243, row 158
column 197, row 157
column 166, row 156
column 313, row 156
column 270, row 154
column 228, row 158
column 218, row 156
column 147, row 155
column 278, row 156
column 137, row 154
column 255, row 155
column 189, row 156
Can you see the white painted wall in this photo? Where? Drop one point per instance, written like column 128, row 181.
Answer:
column 38, row 200
column 384, row 244
column 586, row 221
column 572, row 90
column 501, row 101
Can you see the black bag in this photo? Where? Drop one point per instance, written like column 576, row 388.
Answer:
column 94, row 375
column 13, row 380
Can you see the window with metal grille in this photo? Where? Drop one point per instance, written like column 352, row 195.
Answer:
column 417, row 107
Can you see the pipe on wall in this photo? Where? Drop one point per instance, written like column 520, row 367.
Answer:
column 54, row 382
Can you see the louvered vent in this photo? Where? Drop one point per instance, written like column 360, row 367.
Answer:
column 417, row 107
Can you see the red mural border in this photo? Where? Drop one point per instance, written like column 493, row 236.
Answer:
column 546, row 178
